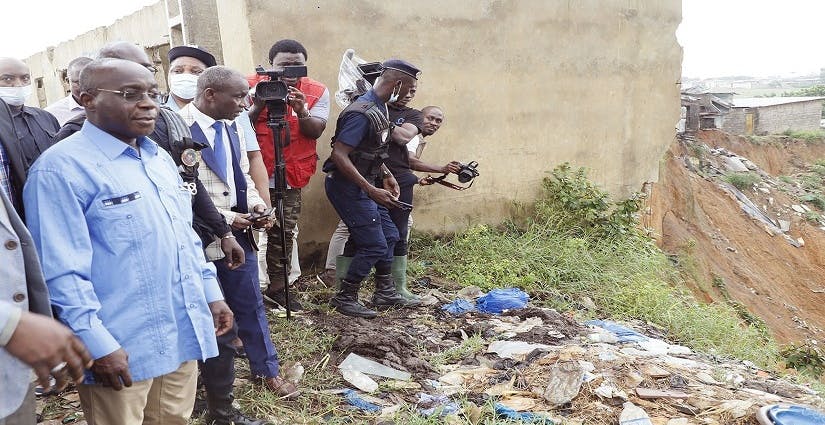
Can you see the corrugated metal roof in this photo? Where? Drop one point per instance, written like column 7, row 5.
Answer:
column 756, row 102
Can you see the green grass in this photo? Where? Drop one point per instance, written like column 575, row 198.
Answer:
column 742, row 180
column 466, row 349
column 807, row 136
column 576, row 244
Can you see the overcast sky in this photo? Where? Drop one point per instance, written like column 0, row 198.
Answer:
column 720, row 37
column 752, row 37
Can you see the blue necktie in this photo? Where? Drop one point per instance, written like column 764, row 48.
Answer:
column 220, row 150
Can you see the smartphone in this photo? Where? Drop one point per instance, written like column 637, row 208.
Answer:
column 266, row 214
column 404, row 206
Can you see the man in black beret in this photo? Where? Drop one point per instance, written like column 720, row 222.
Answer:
column 354, row 170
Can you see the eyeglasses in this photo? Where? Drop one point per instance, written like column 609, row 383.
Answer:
column 136, row 96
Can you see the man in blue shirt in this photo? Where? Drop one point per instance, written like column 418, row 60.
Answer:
column 112, row 222
column 354, row 169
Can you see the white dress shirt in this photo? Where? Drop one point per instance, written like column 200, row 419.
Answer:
column 65, row 109
column 205, row 122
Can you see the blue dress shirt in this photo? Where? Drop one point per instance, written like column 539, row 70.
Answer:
column 113, row 227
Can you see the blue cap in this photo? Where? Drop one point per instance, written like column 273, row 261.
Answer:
column 192, row 51
column 403, row 66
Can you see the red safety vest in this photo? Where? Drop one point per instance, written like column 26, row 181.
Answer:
column 300, row 155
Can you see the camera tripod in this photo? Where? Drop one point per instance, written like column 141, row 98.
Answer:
column 280, row 138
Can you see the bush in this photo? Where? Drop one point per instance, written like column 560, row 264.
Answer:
column 742, row 180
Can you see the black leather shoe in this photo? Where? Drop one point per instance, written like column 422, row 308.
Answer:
column 277, row 297
column 230, row 416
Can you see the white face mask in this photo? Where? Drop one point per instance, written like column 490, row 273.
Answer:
column 184, row 86
column 395, row 95
column 15, row 96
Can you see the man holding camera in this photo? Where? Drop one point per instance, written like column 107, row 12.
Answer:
column 211, row 118
column 355, row 167
column 306, row 114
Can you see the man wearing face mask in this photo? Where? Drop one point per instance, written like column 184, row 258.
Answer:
column 33, row 128
column 307, row 114
column 69, row 107
column 354, row 170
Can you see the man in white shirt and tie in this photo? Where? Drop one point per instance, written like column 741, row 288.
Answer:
column 211, row 118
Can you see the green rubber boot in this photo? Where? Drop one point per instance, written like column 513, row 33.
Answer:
column 399, row 274
column 341, row 268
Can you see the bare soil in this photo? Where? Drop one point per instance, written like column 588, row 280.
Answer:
column 697, row 220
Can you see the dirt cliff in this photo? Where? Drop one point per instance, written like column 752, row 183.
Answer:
column 727, row 255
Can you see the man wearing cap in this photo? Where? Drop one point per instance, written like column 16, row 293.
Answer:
column 307, row 114
column 69, row 107
column 356, row 165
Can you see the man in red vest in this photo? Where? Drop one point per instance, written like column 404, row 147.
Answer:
column 307, row 114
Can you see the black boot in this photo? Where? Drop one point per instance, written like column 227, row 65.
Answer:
column 346, row 301
column 386, row 296
column 228, row 415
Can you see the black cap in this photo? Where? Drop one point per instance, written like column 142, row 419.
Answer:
column 193, row 52
column 403, row 66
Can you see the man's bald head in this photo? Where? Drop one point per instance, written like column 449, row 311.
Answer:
column 14, row 73
column 126, row 51
column 221, row 93
column 114, row 93
column 218, row 78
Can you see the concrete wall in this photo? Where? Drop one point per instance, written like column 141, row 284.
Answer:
column 797, row 116
column 525, row 85
column 147, row 27
column 734, row 121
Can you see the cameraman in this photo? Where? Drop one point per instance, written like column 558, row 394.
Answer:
column 307, row 114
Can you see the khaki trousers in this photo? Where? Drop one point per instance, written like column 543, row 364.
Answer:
column 166, row 400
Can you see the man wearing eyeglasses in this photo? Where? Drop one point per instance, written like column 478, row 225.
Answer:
column 112, row 221
column 69, row 107
column 32, row 129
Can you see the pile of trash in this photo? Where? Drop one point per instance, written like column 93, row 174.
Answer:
column 539, row 366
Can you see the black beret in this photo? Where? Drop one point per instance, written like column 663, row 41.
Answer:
column 192, row 52
column 403, row 66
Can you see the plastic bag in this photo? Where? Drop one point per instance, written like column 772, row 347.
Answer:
column 458, row 307
column 499, row 300
column 354, row 400
column 505, row 412
column 350, row 79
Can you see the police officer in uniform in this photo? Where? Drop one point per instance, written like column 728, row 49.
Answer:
column 355, row 170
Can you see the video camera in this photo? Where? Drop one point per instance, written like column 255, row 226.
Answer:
column 274, row 92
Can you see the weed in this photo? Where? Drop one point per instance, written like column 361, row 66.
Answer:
column 811, row 182
column 742, row 180
column 812, row 217
column 807, row 136
column 815, row 200
column 466, row 349
column 806, row 357
column 787, row 179
column 578, row 244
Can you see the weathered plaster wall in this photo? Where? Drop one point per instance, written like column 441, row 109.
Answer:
column 147, row 27
column 797, row 116
column 525, row 85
